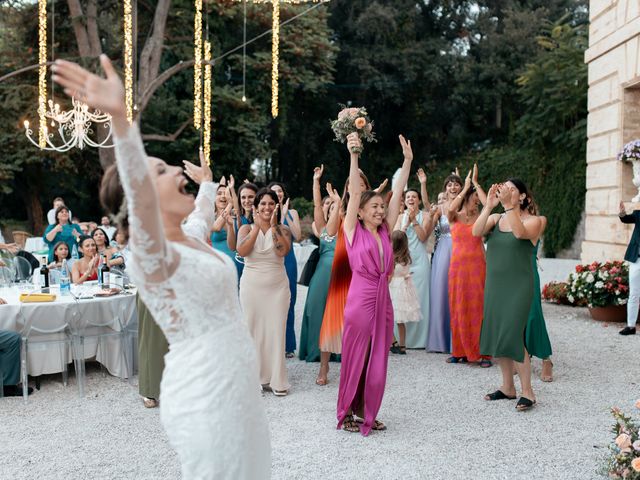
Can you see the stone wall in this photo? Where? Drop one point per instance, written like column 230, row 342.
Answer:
column 613, row 60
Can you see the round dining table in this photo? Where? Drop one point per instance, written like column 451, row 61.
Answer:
column 83, row 312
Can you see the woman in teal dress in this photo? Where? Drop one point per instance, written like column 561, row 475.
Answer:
column 508, row 294
column 319, row 285
column 222, row 209
column 242, row 215
column 61, row 231
column 536, row 336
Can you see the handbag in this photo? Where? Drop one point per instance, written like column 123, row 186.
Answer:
column 309, row 268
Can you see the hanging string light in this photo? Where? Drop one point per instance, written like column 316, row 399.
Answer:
column 42, row 72
column 128, row 60
column 206, row 130
column 275, row 48
column 197, row 67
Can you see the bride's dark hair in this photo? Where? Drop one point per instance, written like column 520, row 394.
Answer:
column 113, row 200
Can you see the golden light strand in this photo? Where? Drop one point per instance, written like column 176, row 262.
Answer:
column 206, row 130
column 128, row 60
column 42, row 72
column 197, row 67
column 275, row 58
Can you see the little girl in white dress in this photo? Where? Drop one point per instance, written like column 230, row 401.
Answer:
column 406, row 306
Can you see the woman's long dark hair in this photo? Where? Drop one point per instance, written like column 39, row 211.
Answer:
column 285, row 195
column 249, row 216
column 400, row 243
column 55, row 255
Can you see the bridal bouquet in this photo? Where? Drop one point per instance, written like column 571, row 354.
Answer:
column 623, row 460
column 352, row 120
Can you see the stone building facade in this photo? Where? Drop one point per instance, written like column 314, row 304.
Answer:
column 613, row 60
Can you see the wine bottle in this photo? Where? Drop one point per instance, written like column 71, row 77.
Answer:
column 44, row 276
column 104, row 273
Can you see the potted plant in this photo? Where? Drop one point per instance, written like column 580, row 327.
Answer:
column 603, row 288
column 556, row 292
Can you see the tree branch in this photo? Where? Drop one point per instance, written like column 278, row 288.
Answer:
column 82, row 38
column 159, row 81
column 167, row 138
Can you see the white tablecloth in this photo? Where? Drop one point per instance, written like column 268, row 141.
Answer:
column 76, row 312
column 302, row 253
column 35, row 244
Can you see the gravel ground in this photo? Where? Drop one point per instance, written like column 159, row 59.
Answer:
column 439, row 426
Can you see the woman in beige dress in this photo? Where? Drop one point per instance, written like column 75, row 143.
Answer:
column 264, row 287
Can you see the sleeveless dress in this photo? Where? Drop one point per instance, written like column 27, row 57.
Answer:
column 406, row 307
column 264, row 296
column 219, row 242
column 507, row 295
column 210, row 404
column 368, row 327
column 333, row 318
column 420, row 276
column 238, row 260
column 316, row 300
column 291, row 266
column 439, row 337
column 536, row 336
column 466, row 291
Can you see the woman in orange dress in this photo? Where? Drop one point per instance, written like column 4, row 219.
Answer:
column 467, row 271
column 331, row 330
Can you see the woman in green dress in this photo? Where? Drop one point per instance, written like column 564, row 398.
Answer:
column 511, row 240
column 536, row 336
column 326, row 214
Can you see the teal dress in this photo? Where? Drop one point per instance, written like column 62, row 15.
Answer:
column 536, row 336
column 65, row 236
column 316, row 300
column 219, row 242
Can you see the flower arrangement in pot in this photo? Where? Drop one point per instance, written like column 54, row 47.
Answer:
column 556, row 292
column 602, row 287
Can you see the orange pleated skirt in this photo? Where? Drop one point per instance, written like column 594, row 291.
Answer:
column 333, row 319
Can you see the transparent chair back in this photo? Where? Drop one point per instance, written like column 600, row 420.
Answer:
column 23, row 269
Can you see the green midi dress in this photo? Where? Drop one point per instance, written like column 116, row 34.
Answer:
column 508, row 295
column 152, row 347
column 536, row 337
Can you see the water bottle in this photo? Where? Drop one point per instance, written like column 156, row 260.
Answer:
column 99, row 270
column 65, row 284
column 74, row 251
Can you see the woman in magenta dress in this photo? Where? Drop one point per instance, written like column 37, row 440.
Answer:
column 368, row 315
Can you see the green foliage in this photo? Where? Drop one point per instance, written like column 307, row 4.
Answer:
column 303, row 206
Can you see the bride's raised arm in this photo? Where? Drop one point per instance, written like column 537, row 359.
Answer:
column 147, row 242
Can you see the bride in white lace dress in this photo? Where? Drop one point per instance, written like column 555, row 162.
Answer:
column 210, row 403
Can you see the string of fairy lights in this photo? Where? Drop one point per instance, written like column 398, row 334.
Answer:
column 42, row 72
column 206, row 117
column 197, row 66
column 128, row 60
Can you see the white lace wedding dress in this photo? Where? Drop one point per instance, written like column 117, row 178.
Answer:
column 210, row 404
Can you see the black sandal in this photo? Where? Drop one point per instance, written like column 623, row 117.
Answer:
column 457, row 360
column 498, row 395
column 395, row 348
column 350, row 425
column 403, row 350
column 524, row 404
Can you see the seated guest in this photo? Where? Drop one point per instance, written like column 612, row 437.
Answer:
column 60, row 253
column 86, row 268
column 61, row 231
column 10, row 362
column 111, row 256
column 10, row 247
column 105, row 224
column 51, row 214
column 84, row 226
column 92, row 226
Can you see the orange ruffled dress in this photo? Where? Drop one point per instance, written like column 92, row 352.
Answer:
column 333, row 319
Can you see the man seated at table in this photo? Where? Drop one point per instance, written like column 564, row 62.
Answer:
column 51, row 214
column 110, row 230
column 10, row 362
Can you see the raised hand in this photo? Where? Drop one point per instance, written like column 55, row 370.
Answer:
column 407, row 151
column 106, row 94
column 223, row 181
column 285, row 210
column 382, row 186
column 333, row 194
column 199, row 174
column 474, row 178
column 274, row 215
column 504, row 195
column 492, row 197
column 422, row 177
column 467, row 181
column 623, row 211
column 456, row 171
column 317, row 173
column 354, row 144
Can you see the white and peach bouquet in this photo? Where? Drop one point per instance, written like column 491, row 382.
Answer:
column 624, row 458
column 353, row 120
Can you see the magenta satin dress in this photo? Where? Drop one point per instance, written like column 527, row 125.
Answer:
column 368, row 323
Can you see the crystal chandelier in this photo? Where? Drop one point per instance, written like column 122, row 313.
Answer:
column 73, row 127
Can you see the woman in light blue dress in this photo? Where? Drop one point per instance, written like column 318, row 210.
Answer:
column 439, row 337
column 418, row 226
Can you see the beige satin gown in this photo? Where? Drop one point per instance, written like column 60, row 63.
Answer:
column 264, row 297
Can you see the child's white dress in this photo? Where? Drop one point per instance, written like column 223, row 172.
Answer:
column 406, row 306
